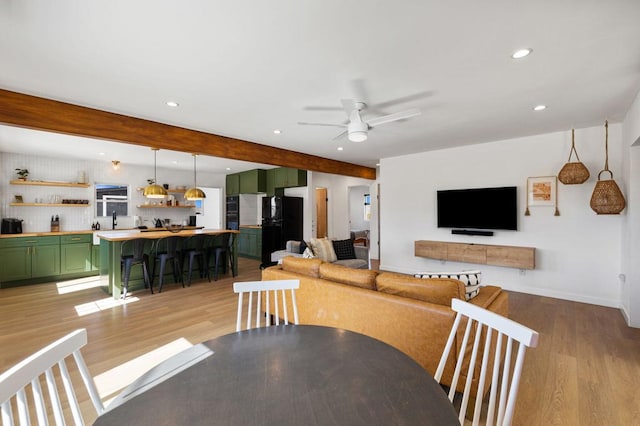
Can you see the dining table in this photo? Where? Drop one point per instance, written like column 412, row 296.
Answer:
column 285, row 375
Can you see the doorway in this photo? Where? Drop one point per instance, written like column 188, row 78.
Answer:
column 321, row 212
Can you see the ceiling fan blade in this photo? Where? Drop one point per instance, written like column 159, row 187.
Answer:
column 393, row 117
column 341, row 135
column 304, row 123
column 348, row 105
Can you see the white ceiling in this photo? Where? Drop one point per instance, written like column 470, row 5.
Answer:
column 244, row 68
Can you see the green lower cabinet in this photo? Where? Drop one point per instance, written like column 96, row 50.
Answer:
column 24, row 258
column 250, row 243
column 45, row 261
column 75, row 258
column 95, row 258
column 16, row 263
column 75, row 253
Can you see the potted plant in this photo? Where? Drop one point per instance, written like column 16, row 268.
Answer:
column 23, row 174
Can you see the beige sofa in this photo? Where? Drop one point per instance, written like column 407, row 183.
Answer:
column 411, row 314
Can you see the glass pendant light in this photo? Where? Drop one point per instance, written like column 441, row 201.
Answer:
column 154, row 190
column 194, row 193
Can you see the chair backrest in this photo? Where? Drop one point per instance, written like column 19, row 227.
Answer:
column 168, row 246
column 39, row 366
column 197, row 242
column 485, row 322
column 134, row 248
column 270, row 289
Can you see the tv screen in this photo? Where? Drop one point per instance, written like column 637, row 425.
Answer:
column 480, row 208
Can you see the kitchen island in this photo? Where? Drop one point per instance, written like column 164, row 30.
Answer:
column 111, row 245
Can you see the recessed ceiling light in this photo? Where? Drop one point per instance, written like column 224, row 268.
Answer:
column 277, row 132
column 101, row 153
column 174, row 162
column 539, row 107
column 172, row 104
column 521, row 53
column 340, row 148
column 377, row 164
column 228, row 168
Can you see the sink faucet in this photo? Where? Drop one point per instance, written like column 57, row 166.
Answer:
column 114, row 218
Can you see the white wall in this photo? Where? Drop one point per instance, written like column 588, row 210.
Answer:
column 356, row 207
column 338, row 204
column 577, row 253
column 37, row 219
column 631, row 227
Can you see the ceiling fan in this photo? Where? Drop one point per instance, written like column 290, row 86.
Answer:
column 357, row 129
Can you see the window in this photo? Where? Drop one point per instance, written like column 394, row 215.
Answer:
column 110, row 198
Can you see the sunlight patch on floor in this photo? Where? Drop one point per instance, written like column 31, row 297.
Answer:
column 102, row 304
column 71, row 286
column 112, row 381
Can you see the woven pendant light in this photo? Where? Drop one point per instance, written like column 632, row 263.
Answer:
column 573, row 173
column 153, row 190
column 607, row 197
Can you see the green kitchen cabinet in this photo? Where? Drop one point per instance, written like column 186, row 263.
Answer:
column 16, row 263
column 284, row 177
column 250, row 242
column 253, row 181
column 29, row 257
column 75, row 253
column 233, row 184
column 95, row 258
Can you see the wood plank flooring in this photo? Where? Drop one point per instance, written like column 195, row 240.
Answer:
column 584, row 372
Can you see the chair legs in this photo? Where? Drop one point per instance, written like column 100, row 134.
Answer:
column 177, row 271
column 204, row 272
column 127, row 265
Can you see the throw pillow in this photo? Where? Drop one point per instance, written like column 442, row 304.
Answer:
column 303, row 247
column 323, row 249
column 344, row 249
column 470, row 279
column 308, row 254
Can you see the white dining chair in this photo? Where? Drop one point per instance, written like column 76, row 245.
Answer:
column 271, row 291
column 14, row 383
column 486, row 322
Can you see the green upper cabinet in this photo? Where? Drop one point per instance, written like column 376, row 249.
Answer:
column 253, row 181
column 285, row 177
column 233, row 184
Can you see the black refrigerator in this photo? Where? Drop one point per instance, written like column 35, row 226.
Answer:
column 281, row 221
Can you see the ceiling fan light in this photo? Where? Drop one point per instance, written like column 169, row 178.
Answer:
column 358, row 136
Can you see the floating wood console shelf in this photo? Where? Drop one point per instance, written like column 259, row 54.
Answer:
column 482, row 254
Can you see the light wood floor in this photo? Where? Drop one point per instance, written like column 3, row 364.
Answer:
column 585, row 370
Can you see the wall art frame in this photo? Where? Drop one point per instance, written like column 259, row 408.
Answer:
column 542, row 191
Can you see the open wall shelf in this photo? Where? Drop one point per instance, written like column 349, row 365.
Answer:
column 46, row 183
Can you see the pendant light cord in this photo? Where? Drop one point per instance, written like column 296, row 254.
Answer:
column 606, row 145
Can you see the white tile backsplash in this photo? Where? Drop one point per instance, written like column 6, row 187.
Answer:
column 37, row 219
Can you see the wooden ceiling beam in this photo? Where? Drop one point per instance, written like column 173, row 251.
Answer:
column 18, row 109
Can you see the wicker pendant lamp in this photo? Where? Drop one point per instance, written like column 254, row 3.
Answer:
column 154, row 190
column 194, row 193
column 607, row 197
column 575, row 172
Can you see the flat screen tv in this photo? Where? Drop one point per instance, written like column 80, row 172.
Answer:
column 479, row 208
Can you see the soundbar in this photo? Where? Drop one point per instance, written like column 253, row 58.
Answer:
column 472, row 232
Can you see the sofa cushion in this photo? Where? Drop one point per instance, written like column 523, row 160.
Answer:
column 323, row 249
column 353, row 263
column 434, row 290
column 343, row 249
column 470, row 279
column 363, row 278
column 301, row 265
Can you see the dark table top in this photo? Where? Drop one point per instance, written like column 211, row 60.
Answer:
column 285, row 375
